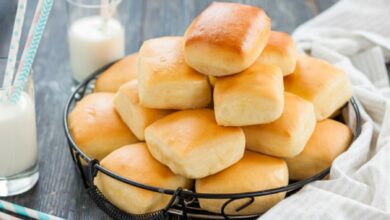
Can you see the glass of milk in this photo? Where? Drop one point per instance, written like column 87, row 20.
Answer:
column 18, row 141
column 96, row 35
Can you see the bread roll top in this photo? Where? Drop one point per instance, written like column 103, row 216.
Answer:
column 280, row 51
column 96, row 127
column 118, row 74
column 226, row 38
column 321, row 83
column 329, row 139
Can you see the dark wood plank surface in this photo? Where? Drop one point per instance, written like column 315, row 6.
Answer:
column 59, row 190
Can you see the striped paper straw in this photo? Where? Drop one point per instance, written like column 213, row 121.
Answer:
column 26, row 212
column 8, row 217
column 104, row 10
column 114, row 4
column 30, row 33
column 32, row 47
column 108, row 8
column 14, row 47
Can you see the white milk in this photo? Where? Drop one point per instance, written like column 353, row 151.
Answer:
column 93, row 43
column 18, row 140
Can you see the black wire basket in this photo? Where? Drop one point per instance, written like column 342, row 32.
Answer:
column 184, row 202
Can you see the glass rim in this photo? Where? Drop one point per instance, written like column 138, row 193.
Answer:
column 4, row 98
column 2, row 70
column 93, row 6
column 30, row 76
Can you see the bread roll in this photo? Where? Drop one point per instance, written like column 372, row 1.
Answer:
column 254, row 172
column 96, row 128
column 330, row 138
column 280, row 51
column 226, row 38
column 319, row 82
column 287, row 136
column 136, row 117
column 193, row 145
column 254, row 96
column 118, row 74
column 166, row 81
column 134, row 162
column 212, row 80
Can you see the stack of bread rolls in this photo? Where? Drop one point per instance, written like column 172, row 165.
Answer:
column 229, row 107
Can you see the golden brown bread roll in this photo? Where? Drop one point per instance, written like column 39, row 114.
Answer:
column 96, row 127
column 136, row 117
column 329, row 139
column 134, row 162
column 166, row 81
column 254, row 96
column 287, row 136
column 280, row 51
column 118, row 74
column 191, row 143
column 319, row 82
column 254, row 172
column 226, row 38
column 212, row 80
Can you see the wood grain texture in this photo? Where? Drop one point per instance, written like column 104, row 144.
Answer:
column 7, row 16
column 59, row 190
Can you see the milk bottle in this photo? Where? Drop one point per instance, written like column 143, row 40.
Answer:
column 93, row 42
column 18, row 143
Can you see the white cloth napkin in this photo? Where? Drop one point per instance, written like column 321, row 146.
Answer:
column 355, row 36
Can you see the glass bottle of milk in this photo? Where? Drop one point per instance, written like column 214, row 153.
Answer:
column 96, row 35
column 18, row 142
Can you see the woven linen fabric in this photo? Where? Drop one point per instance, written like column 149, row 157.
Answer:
column 354, row 35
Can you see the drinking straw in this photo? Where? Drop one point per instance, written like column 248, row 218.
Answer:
column 43, row 10
column 29, row 38
column 26, row 212
column 14, row 46
column 5, row 216
column 114, row 4
column 108, row 9
column 104, row 10
column 105, row 13
column 30, row 32
column 8, row 217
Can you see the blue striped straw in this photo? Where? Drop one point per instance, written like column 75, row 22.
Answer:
column 8, row 217
column 27, row 61
column 14, row 47
column 26, row 212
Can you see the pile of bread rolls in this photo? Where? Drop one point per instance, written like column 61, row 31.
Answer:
column 229, row 107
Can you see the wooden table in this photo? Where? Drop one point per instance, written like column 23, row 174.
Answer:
column 59, row 190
